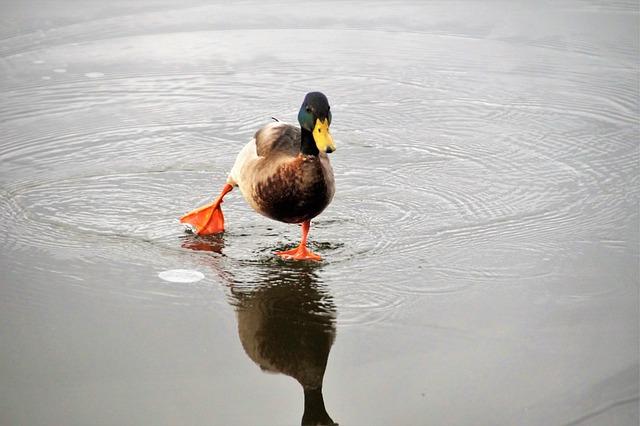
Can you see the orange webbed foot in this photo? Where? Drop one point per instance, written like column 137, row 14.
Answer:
column 299, row 253
column 208, row 219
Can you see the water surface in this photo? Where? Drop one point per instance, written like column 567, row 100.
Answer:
column 481, row 252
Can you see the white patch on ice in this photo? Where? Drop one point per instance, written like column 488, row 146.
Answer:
column 60, row 70
column 94, row 74
column 39, row 61
column 181, row 275
column 46, row 77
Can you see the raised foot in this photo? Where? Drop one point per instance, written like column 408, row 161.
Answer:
column 206, row 220
column 299, row 253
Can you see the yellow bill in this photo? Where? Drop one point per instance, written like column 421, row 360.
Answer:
column 323, row 138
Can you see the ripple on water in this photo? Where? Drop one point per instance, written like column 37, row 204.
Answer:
column 75, row 211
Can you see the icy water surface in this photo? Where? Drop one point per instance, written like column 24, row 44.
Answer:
column 481, row 252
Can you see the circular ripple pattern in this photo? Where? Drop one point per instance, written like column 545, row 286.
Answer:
column 450, row 171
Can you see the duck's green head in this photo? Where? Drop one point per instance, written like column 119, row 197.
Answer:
column 315, row 117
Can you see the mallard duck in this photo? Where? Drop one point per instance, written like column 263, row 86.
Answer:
column 283, row 173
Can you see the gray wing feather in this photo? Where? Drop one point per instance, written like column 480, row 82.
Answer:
column 278, row 138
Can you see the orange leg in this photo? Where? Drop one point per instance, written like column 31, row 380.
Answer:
column 208, row 219
column 301, row 252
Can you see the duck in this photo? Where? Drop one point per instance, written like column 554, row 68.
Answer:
column 283, row 173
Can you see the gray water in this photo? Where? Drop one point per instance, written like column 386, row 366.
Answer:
column 480, row 255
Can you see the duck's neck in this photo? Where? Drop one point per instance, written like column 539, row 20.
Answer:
column 307, row 144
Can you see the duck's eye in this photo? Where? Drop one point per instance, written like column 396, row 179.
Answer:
column 308, row 109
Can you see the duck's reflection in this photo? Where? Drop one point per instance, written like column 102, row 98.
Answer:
column 286, row 323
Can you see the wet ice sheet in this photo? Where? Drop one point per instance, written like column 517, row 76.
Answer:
column 481, row 251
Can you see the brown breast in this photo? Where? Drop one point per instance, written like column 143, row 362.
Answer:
column 296, row 191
